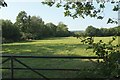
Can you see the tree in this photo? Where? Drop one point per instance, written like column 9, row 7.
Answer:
column 118, row 30
column 91, row 31
column 62, row 30
column 33, row 27
column 36, row 27
column 9, row 31
column 50, row 29
column 21, row 21
column 112, row 31
column 24, row 23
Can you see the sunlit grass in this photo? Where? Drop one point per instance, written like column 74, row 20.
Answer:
column 51, row 46
column 55, row 46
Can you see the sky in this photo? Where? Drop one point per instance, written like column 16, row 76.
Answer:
column 54, row 15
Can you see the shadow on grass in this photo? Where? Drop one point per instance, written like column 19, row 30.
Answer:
column 30, row 40
column 24, row 41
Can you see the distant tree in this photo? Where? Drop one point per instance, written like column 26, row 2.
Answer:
column 62, row 30
column 91, row 31
column 118, row 30
column 104, row 31
column 21, row 21
column 33, row 27
column 30, row 27
column 9, row 31
column 80, row 35
column 36, row 27
column 22, row 24
column 112, row 31
column 98, row 32
column 50, row 29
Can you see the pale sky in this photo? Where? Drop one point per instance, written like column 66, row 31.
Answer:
column 53, row 14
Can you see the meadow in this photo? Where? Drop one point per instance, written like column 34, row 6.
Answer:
column 60, row 46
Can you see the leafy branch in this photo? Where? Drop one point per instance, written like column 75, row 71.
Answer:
column 110, row 66
column 82, row 9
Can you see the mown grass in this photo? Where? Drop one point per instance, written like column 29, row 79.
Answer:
column 67, row 46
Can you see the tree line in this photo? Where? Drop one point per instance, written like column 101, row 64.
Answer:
column 31, row 27
column 28, row 27
column 98, row 32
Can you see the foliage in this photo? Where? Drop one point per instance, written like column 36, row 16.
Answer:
column 32, row 27
column 110, row 66
column 84, row 8
column 80, row 35
column 50, row 30
column 36, row 27
column 92, row 31
column 62, row 30
column 23, row 23
column 10, row 32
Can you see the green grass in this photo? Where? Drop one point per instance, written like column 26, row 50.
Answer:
column 55, row 46
column 67, row 46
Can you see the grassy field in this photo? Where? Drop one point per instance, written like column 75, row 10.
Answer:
column 67, row 46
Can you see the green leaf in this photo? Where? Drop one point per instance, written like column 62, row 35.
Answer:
column 109, row 20
column 116, row 8
column 58, row 5
column 67, row 13
column 112, row 2
column 102, row 6
column 100, row 17
column 73, row 5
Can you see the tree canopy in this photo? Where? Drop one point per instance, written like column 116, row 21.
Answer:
column 31, row 27
column 92, row 31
